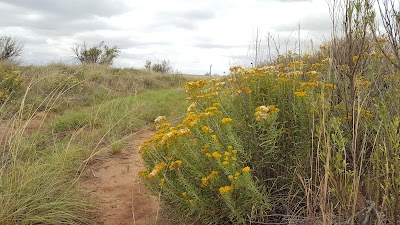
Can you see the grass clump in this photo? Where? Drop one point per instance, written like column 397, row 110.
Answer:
column 37, row 185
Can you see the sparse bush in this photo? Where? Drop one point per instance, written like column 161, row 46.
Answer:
column 163, row 67
column 10, row 48
column 97, row 54
column 147, row 65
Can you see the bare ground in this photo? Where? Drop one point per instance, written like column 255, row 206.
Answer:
column 113, row 180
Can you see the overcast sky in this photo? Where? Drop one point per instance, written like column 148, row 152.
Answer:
column 192, row 34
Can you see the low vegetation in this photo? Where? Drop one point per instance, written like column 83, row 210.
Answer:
column 55, row 119
column 98, row 54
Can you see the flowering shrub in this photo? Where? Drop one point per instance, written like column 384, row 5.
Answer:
column 10, row 82
column 268, row 138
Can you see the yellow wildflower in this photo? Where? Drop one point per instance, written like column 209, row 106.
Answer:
column 184, row 194
column 300, row 93
column 246, row 169
column 225, row 163
column 211, row 109
column 143, row 173
column 175, row 165
column 216, row 155
column 157, row 169
column 225, row 189
column 230, row 177
column 160, row 119
column 214, row 138
column 161, row 183
column 365, row 83
column 207, row 129
column 263, row 112
column 214, row 173
column 226, row 120
column 204, row 181
column 330, row 86
column 208, row 155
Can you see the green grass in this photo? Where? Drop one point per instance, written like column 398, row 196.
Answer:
column 87, row 107
column 115, row 118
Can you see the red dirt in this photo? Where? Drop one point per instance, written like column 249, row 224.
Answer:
column 113, row 180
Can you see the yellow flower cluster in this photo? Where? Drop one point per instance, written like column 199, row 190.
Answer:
column 310, row 84
column 216, row 155
column 188, row 201
column 246, row 169
column 207, row 130
column 10, row 81
column 226, row 120
column 205, row 148
column 234, row 177
column 361, row 82
column 160, row 119
column 175, row 165
column 204, row 180
column 169, row 137
column 264, row 112
column 225, row 189
column 300, row 93
column 330, row 86
column 157, row 169
column 214, row 138
column 230, row 157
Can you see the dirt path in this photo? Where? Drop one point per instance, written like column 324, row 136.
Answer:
column 113, row 180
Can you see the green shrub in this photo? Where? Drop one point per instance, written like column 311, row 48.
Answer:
column 307, row 146
column 10, row 82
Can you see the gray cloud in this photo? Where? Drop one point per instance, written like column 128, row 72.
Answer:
column 122, row 41
column 192, row 34
column 57, row 18
column 72, row 8
column 314, row 23
column 210, row 45
column 137, row 56
column 187, row 20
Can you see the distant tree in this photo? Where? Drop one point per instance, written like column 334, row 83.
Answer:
column 163, row 67
column 147, row 65
column 9, row 48
column 97, row 54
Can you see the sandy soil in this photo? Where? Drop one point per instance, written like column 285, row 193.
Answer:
column 113, row 180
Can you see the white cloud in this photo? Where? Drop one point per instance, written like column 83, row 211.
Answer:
column 191, row 34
